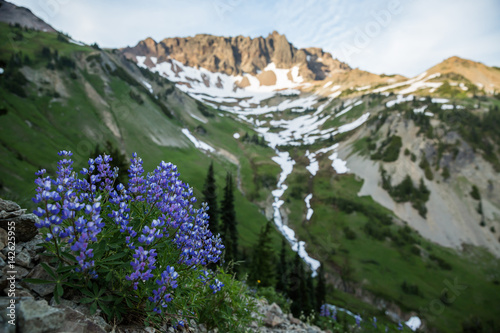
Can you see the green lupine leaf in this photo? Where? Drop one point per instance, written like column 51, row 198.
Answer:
column 38, row 281
column 93, row 308
column 115, row 256
column 49, row 270
column 86, row 300
column 86, row 292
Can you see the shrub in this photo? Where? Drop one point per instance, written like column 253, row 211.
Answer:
column 411, row 289
column 349, row 233
column 475, row 193
column 389, row 150
column 140, row 251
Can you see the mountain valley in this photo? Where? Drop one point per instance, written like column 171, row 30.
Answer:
column 385, row 180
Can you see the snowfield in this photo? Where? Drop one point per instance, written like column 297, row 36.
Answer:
column 226, row 93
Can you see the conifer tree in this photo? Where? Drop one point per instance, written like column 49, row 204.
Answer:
column 320, row 288
column 282, row 269
column 310, row 297
column 297, row 287
column 210, row 197
column 262, row 268
column 228, row 230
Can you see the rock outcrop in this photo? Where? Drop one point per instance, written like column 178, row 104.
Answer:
column 238, row 55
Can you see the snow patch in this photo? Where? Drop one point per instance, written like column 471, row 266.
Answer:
column 308, row 205
column 148, row 85
column 197, row 143
column 286, row 163
column 414, row 323
column 440, row 100
column 313, row 166
column 198, row 118
column 140, row 61
column 399, row 99
column 76, row 42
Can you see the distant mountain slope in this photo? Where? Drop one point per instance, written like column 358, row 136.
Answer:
column 462, row 71
column 12, row 14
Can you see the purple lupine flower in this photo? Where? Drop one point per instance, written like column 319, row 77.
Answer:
column 374, row 322
column 358, row 320
column 204, row 277
column 216, row 286
column 143, row 264
column 400, row 326
column 168, row 279
column 136, row 180
column 324, row 311
column 63, row 203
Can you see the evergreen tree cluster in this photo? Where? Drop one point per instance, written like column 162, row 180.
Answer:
column 227, row 224
column 288, row 277
column 255, row 139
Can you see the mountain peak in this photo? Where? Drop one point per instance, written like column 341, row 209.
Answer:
column 239, row 55
column 477, row 73
column 13, row 14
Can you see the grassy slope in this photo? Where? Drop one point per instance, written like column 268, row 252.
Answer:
column 381, row 266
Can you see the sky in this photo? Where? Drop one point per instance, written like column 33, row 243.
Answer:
column 381, row 36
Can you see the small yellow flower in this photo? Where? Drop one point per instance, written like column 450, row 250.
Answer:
column 258, row 281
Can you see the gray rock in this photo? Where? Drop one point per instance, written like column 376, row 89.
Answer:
column 41, row 289
column 8, row 206
column 33, row 246
column 25, row 226
column 4, row 318
column 75, row 321
column 24, row 259
column 3, row 238
column 20, row 271
column 13, row 214
column 2, row 263
column 275, row 309
column 39, row 317
column 272, row 320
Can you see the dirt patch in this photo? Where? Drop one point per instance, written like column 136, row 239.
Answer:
column 267, row 78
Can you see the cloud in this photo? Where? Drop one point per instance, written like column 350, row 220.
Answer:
column 427, row 32
column 420, row 35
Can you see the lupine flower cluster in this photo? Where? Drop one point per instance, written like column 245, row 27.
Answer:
column 153, row 219
column 325, row 312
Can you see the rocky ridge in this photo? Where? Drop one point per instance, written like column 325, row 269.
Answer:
column 238, row 55
column 12, row 14
column 36, row 310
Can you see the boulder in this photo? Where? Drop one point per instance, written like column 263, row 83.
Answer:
column 39, row 317
column 41, row 289
column 8, row 206
column 25, row 226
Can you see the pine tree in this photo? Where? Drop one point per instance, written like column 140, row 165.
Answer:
column 297, row 287
column 210, row 197
column 262, row 267
column 309, row 296
column 320, row 288
column 228, row 230
column 282, row 269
